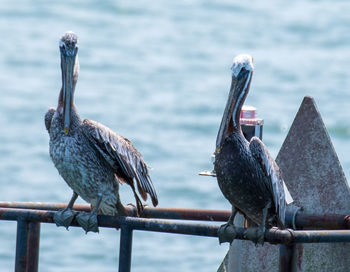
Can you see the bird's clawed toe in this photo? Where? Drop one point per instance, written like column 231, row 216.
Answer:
column 256, row 235
column 64, row 217
column 131, row 205
column 88, row 221
column 227, row 233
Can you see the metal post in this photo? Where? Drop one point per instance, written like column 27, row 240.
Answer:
column 27, row 246
column 21, row 246
column 125, row 248
column 286, row 263
column 33, row 242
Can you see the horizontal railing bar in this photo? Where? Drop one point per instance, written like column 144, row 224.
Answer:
column 187, row 214
column 273, row 235
column 49, row 206
column 114, row 222
column 170, row 227
column 302, row 220
column 289, row 236
column 323, row 221
column 149, row 212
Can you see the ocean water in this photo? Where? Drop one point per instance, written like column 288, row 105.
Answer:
column 159, row 73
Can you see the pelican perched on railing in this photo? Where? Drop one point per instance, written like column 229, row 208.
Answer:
column 247, row 174
column 90, row 157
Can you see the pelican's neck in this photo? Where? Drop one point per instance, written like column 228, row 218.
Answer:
column 230, row 119
column 239, row 98
column 69, row 69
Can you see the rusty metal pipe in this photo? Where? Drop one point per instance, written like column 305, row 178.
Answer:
column 326, row 221
column 289, row 237
column 33, row 244
column 287, row 258
column 161, row 213
column 168, row 226
column 27, row 246
column 125, row 248
column 273, row 235
column 21, row 246
column 42, row 206
column 302, row 220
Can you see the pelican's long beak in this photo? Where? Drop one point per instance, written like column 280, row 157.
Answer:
column 230, row 120
column 68, row 59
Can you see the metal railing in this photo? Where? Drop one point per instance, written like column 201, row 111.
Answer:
column 331, row 228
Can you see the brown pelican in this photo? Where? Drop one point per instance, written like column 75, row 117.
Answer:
column 247, row 174
column 90, row 157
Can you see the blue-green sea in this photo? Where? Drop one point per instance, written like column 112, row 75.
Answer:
column 158, row 73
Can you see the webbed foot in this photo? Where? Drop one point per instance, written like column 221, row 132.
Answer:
column 64, row 217
column 88, row 221
column 227, row 233
column 256, row 235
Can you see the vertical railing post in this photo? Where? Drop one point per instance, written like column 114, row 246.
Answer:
column 21, row 246
column 27, row 246
column 287, row 258
column 125, row 248
column 33, row 242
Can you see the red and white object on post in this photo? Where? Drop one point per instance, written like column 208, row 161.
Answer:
column 250, row 124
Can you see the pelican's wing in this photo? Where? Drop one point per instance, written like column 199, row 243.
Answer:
column 274, row 181
column 122, row 156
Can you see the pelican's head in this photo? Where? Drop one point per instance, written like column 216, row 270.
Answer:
column 242, row 70
column 70, row 68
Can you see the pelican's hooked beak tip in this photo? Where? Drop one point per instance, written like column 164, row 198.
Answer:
column 68, row 44
column 242, row 61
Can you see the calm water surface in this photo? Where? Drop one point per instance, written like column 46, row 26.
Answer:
column 159, row 74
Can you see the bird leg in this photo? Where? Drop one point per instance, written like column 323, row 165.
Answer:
column 88, row 221
column 227, row 232
column 136, row 209
column 65, row 217
column 139, row 205
column 257, row 234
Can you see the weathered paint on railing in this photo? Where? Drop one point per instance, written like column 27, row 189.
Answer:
column 27, row 246
column 273, row 235
column 30, row 215
column 302, row 220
